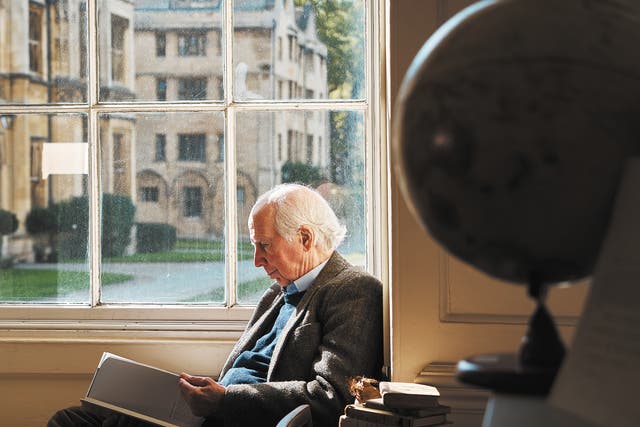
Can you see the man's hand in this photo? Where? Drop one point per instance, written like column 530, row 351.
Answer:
column 203, row 395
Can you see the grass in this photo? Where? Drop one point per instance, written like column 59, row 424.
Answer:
column 245, row 290
column 19, row 284
column 26, row 285
column 170, row 256
column 188, row 251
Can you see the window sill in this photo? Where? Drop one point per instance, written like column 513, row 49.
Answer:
column 69, row 341
column 25, row 313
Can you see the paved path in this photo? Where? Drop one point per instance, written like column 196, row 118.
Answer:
column 158, row 282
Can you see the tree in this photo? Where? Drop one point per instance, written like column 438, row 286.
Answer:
column 340, row 26
column 117, row 220
column 301, row 173
column 8, row 224
column 43, row 222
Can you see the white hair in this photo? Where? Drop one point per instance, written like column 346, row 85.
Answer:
column 296, row 205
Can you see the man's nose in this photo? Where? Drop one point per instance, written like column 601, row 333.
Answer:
column 258, row 257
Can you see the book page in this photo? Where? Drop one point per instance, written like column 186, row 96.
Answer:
column 600, row 375
column 140, row 388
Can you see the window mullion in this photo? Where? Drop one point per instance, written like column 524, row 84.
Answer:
column 230, row 160
column 94, row 157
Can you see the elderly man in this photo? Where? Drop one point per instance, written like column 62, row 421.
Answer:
column 317, row 326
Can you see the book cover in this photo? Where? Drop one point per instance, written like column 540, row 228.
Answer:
column 142, row 391
column 389, row 418
column 408, row 395
column 376, row 403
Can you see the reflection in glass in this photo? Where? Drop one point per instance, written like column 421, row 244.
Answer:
column 43, row 218
column 163, row 207
column 53, row 36
column 322, row 149
column 313, row 50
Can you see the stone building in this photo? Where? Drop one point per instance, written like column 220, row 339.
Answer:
column 179, row 57
column 43, row 60
column 170, row 163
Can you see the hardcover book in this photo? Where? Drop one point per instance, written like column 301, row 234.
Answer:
column 138, row 390
column 399, row 395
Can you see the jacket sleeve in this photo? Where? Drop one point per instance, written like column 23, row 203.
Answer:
column 348, row 320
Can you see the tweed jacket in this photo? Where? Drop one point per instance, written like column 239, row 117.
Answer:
column 335, row 334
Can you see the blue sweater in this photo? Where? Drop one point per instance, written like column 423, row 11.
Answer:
column 251, row 366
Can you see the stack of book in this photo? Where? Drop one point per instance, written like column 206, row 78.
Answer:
column 401, row 404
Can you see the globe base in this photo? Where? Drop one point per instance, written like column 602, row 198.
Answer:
column 503, row 373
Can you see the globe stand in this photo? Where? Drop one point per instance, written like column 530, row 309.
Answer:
column 533, row 369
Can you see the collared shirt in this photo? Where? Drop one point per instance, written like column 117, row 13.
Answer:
column 251, row 366
column 306, row 280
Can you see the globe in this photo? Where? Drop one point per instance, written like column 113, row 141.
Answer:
column 511, row 130
column 510, row 134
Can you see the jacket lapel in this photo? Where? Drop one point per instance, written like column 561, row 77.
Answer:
column 335, row 264
column 261, row 327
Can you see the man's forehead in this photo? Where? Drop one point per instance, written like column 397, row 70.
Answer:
column 262, row 224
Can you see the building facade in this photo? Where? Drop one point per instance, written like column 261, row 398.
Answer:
column 170, row 164
column 179, row 57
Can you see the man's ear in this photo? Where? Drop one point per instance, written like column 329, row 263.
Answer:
column 306, row 237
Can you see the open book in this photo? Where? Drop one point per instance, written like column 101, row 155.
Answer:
column 138, row 390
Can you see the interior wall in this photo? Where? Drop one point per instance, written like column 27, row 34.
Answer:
column 42, row 373
column 443, row 310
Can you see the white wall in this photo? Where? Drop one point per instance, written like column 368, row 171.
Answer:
column 442, row 310
column 435, row 314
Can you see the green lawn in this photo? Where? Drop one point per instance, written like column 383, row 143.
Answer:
column 19, row 284
column 245, row 290
column 188, row 251
column 26, row 285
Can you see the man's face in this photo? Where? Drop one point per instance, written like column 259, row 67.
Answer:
column 283, row 260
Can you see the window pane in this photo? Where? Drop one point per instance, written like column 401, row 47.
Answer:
column 163, row 221
column 171, row 50
column 314, row 50
column 47, row 42
column 333, row 164
column 43, row 220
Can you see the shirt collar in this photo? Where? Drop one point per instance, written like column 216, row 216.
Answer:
column 302, row 283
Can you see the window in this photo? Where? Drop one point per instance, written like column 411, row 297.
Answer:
column 82, row 32
column 161, row 44
column 192, row 44
column 192, row 202
column 149, row 194
column 197, row 165
column 290, row 145
column 191, row 89
column 241, row 196
column 220, row 140
column 161, row 89
column 309, row 148
column 118, row 59
column 192, row 147
column 35, row 38
column 161, row 147
column 36, row 159
column 292, row 44
column 279, row 147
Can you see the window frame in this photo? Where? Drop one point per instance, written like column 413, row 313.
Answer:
column 197, row 321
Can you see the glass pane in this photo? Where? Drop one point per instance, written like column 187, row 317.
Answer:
column 43, row 209
column 322, row 149
column 161, row 51
column 300, row 49
column 44, row 52
column 163, row 207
